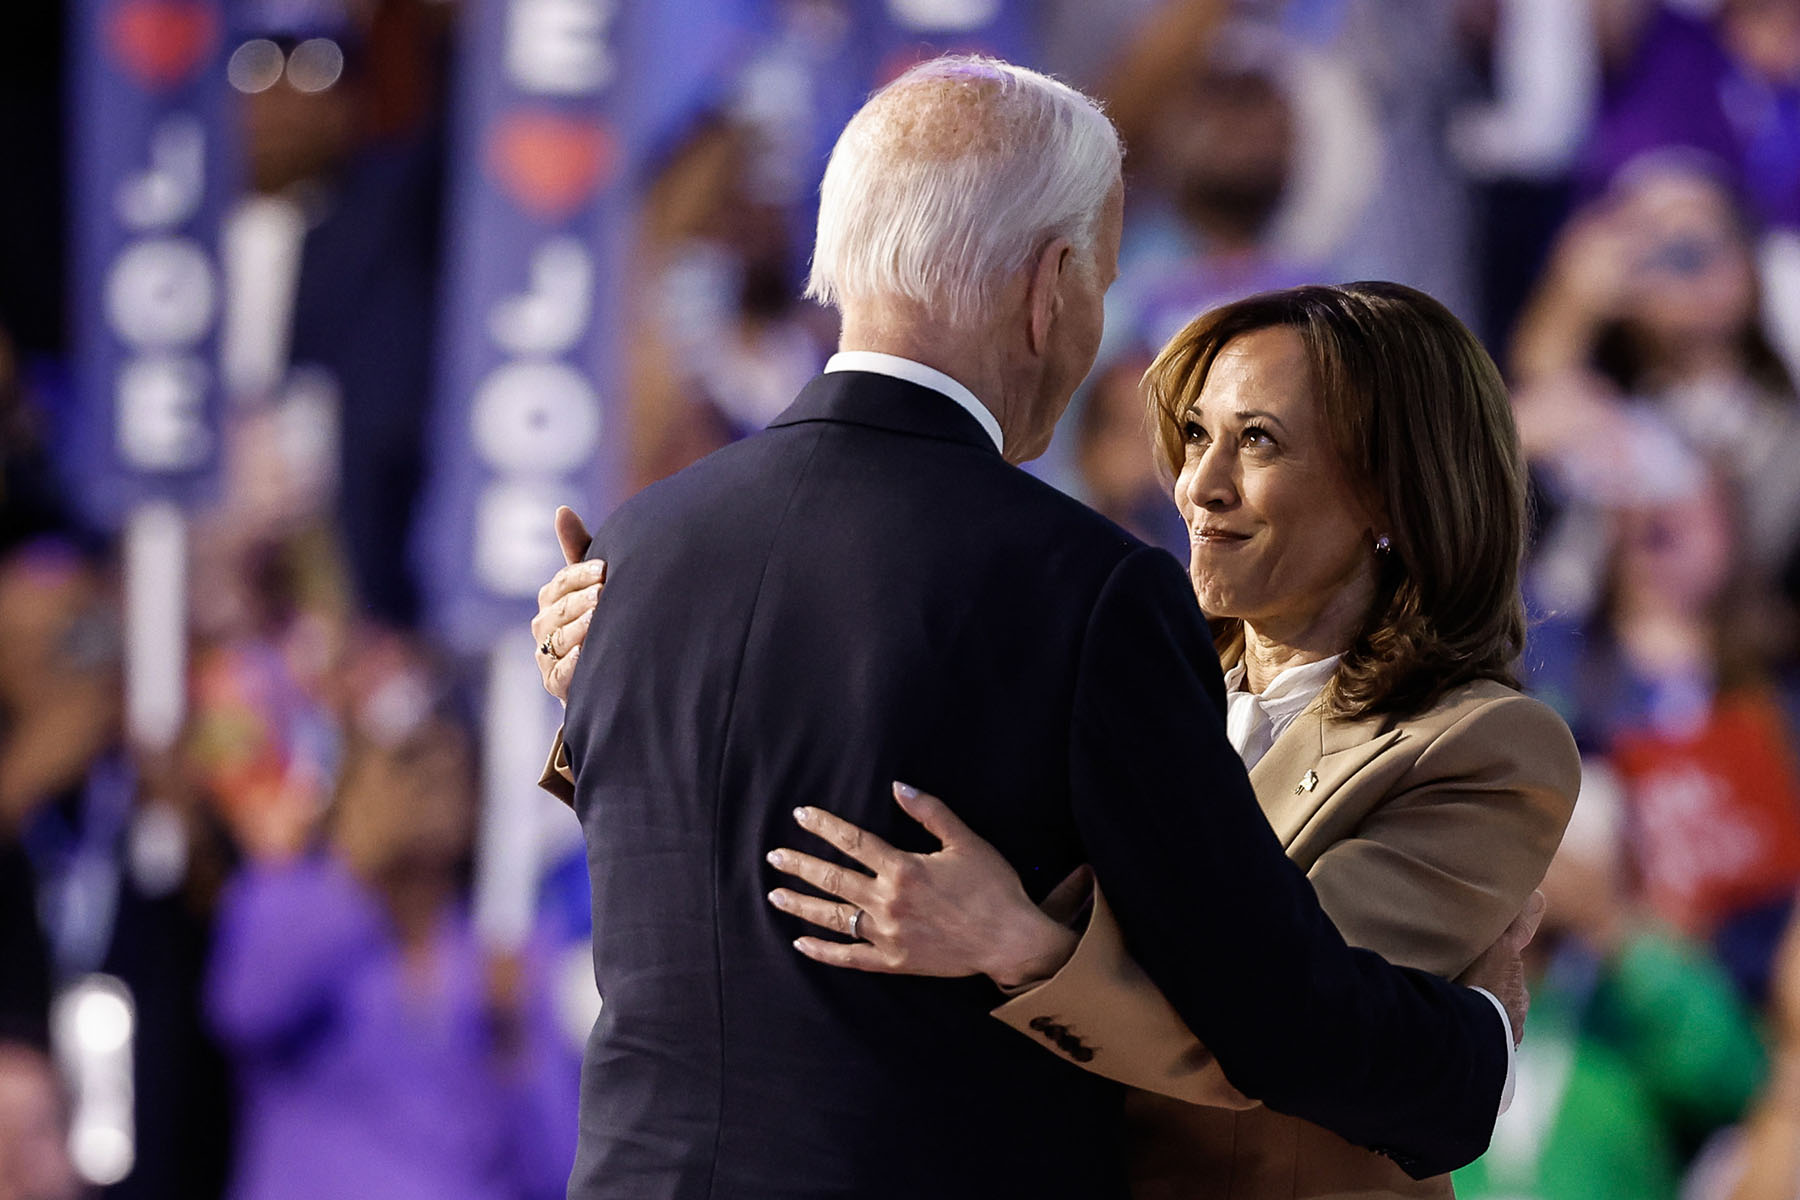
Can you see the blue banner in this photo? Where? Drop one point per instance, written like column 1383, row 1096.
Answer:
column 150, row 178
column 528, row 407
column 563, row 105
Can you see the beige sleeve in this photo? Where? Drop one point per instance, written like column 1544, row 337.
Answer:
column 1102, row 1012
column 558, row 778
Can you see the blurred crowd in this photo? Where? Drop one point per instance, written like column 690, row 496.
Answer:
column 1607, row 190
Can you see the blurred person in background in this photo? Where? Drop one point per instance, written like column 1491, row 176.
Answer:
column 1651, row 303
column 1719, row 80
column 106, row 833
column 1760, row 1159
column 380, row 1050
column 1639, row 1048
column 1114, row 465
column 1668, row 681
column 332, row 263
column 721, row 339
column 34, row 1127
column 1366, row 187
column 1211, row 124
column 1205, row 105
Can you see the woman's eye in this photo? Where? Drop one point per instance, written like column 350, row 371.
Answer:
column 1256, row 435
column 1191, row 431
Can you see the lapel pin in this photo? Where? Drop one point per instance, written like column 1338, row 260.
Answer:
column 1307, row 783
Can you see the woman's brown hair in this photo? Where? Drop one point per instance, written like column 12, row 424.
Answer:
column 1421, row 420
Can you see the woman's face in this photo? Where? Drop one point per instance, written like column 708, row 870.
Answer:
column 1279, row 535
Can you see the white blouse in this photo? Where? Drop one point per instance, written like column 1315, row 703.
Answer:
column 1253, row 722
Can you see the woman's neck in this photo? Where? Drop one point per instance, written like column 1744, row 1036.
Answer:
column 1264, row 660
column 1272, row 646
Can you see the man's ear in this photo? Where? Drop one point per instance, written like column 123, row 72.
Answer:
column 1044, row 299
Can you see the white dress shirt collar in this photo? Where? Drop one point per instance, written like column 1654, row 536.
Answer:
column 892, row 365
column 1253, row 722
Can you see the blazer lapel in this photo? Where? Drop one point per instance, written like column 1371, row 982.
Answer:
column 1310, row 761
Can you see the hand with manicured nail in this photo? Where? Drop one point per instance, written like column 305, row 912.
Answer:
column 959, row 910
column 566, row 605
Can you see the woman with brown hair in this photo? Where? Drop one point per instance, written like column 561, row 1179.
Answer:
column 1346, row 464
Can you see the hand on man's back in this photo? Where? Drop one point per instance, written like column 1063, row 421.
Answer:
column 1501, row 967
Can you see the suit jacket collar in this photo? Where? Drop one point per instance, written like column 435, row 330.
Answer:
column 1311, row 760
column 883, row 402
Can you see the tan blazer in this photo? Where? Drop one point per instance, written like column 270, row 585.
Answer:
column 1423, row 837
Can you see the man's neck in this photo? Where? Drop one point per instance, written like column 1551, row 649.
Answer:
column 969, row 357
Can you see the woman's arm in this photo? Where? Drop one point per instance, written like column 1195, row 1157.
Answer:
column 1505, row 776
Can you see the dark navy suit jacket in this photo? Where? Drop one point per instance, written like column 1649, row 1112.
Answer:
column 867, row 592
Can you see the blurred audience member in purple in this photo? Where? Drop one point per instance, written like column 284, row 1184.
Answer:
column 1726, row 87
column 381, row 1051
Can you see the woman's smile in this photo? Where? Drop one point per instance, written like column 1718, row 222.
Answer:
column 1216, row 537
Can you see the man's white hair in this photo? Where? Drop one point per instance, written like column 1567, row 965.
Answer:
column 951, row 177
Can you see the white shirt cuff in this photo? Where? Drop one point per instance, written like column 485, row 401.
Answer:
column 1512, row 1071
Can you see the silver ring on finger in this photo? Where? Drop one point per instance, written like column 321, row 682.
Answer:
column 856, row 925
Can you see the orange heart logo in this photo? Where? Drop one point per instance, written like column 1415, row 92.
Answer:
column 162, row 43
column 551, row 164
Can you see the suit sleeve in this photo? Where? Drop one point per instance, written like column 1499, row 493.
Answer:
column 1435, row 875
column 1228, row 929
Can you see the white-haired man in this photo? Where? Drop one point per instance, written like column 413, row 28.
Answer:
column 867, row 591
